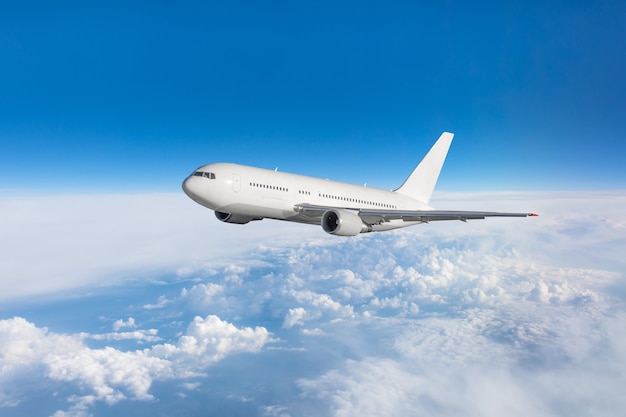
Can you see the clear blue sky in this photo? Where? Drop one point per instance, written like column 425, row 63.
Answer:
column 119, row 97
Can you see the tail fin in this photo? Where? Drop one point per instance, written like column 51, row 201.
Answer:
column 421, row 182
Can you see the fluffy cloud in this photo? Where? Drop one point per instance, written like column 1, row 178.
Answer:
column 110, row 375
column 294, row 316
column 120, row 324
column 209, row 340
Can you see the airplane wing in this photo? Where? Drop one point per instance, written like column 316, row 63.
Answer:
column 374, row 216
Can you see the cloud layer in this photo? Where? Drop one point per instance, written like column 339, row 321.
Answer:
column 503, row 317
column 58, row 243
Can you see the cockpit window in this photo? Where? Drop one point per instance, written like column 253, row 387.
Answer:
column 208, row 175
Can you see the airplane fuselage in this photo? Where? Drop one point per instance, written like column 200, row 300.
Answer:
column 250, row 193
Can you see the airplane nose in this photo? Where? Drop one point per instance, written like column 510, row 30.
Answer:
column 191, row 187
column 186, row 187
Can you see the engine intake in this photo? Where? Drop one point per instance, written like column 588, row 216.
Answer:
column 343, row 223
column 233, row 218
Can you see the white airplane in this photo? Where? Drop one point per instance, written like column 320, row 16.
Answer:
column 240, row 194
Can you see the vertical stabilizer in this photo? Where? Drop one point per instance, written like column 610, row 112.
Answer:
column 421, row 182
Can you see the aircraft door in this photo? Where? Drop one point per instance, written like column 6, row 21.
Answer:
column 236, row 183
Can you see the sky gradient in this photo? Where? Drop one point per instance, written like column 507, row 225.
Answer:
column 132, row 97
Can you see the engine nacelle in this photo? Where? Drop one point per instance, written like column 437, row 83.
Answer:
column 343, row 223
column 233, row 218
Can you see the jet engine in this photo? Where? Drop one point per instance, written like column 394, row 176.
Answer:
column 233, row 218
column 343, row 223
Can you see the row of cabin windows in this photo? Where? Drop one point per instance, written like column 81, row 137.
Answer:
column 269, row 187
column 274, row 187
column 351, row 200
column 355, row 200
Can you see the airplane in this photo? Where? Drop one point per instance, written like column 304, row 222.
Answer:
column 240, row 194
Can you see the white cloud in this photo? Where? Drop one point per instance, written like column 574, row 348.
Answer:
column 294, row 316
column 209, row 340
column 120, row 324
column 202, row 294
column 275, row 411
column 149, row 335
column 162, row 302
column 24, row 349
column 313, row 332
column 373, row 387
column 190, row 386
column 318, row 305
column 23, row 344
column 110, row 375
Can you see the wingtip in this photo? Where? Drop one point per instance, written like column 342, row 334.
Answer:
column 533, row 214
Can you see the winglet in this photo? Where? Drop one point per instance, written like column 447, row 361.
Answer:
column 421, row 183
column 533, row 214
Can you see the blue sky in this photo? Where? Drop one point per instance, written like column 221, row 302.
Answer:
column 132, row 97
